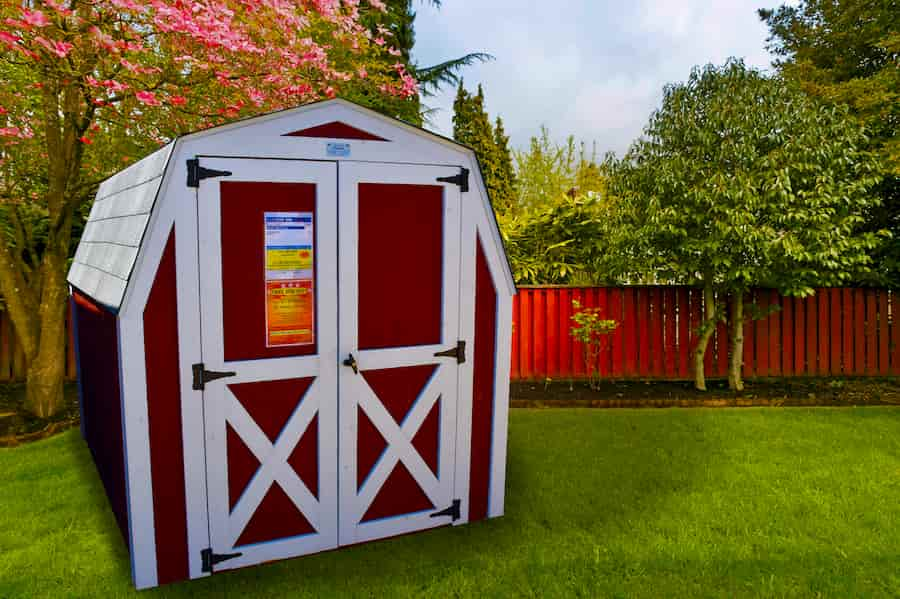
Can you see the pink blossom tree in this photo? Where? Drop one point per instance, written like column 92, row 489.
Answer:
column 89, row 85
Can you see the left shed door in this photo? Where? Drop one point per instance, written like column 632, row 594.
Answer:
column 268, row 296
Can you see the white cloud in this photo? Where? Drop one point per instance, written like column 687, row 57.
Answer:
column 591, row 68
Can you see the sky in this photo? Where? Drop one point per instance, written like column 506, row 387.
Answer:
column 590, row 68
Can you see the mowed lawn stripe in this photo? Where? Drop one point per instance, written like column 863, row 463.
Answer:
column 621, row 503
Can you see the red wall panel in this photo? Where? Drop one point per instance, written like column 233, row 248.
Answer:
column 243, row 263
column 101, row 402
column 483, row 388
column 164, row 421
column 400, row 298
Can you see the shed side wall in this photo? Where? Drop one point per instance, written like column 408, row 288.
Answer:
column 482, row 387
column 164, row 421
column 98, row 347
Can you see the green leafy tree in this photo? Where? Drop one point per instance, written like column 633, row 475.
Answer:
column 472, row 127
column 547, row 172
column 558, row 243
column 740, row 181
column 847, row 52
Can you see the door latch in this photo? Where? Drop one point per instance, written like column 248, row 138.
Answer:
column 351, row 362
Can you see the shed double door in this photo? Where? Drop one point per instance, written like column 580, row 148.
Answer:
column 326, row 292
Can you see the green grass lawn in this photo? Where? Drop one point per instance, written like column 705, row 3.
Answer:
column 627, row 503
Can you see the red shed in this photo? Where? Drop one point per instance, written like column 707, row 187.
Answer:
column 293, row 334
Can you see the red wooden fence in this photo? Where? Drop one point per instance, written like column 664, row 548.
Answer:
column 836, row 332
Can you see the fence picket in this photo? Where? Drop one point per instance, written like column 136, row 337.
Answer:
column 834, row 326
column 859, row 331
column 824, row 332
column 615, row 313
column 787, row 336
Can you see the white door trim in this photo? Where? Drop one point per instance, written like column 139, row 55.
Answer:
column 356, row 394
column 220, row 405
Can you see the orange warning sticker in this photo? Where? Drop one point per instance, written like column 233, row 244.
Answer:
column 289, row 312
column 290, row 275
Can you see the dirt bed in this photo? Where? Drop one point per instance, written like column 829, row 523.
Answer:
column 17, row 425
column 766, row 392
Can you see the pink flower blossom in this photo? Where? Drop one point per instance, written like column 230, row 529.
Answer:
column 177, row 100
column 147, row 98
column 363, row 73
column 35, row 18
column 61, row 49
column 8, row 38
column 10, row 132
column 394, row 51
column 114, row 86
column 379, row 41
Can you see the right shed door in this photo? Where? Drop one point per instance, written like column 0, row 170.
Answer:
column 399, row 307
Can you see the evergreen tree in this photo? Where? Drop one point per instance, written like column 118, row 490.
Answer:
column 396, row 27
column 472, row 127
column 507, row 172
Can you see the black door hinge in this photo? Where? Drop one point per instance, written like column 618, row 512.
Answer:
column 462, row 179
column 196, row 173
column 203, row 376
column 458, row 352
column 452, row 511
column 210, row 559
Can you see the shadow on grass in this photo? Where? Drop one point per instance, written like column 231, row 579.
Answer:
column 564, row 482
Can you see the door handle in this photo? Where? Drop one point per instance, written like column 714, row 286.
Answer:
column 351, row 362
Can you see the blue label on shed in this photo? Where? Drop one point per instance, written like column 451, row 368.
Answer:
column 341, row 150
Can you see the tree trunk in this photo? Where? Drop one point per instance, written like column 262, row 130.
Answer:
column 47, row 367
column 706, row 332
column 736, row 359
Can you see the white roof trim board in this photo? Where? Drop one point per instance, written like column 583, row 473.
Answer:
column 109, row 248
column 113, row 232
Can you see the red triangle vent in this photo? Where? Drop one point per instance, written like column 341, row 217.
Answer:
column 336, row 130
column 276, row 518
column 399, row 495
